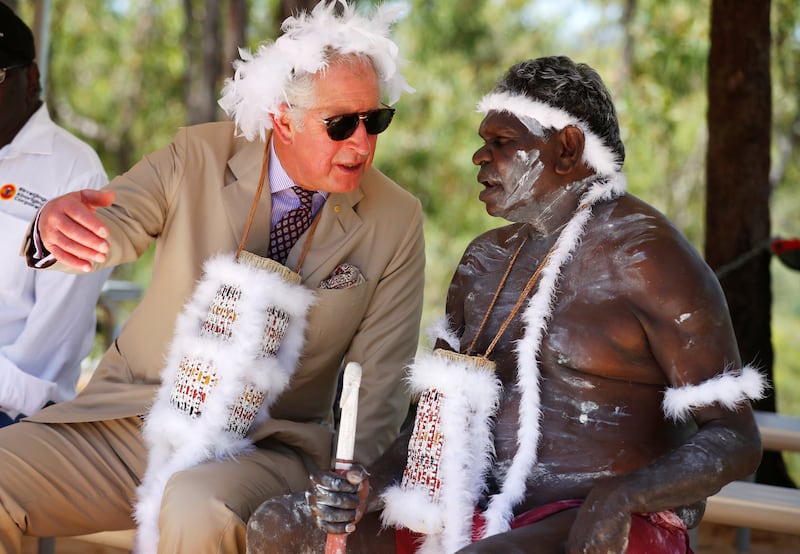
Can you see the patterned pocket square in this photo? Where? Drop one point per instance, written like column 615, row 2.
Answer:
column 343, row 277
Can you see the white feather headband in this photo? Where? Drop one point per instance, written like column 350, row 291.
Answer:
column 257, row 88
column 595, row 152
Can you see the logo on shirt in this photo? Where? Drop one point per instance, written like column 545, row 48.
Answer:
column 8, row 191
column 24, row 196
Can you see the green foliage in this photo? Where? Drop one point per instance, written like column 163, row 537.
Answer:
column 785, row 330
column 454, row 59
column 117, row 73
column 786, row 117
column 662, row 109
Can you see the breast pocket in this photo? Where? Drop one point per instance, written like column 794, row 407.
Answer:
column 337, row 313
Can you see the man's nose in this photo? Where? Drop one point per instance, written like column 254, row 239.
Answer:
column 359, row 140
column 481, row 156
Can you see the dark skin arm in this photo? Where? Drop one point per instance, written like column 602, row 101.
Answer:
column 676, row 310
column 726, row 445
column 720, row 452
column 705, row 462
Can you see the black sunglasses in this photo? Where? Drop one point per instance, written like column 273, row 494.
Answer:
column 342, row 127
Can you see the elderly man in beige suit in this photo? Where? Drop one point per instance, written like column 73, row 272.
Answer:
column 307, row 110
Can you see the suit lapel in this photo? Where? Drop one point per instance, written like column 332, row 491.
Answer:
column 337, row 226
column 238, row 195
column 338, row 218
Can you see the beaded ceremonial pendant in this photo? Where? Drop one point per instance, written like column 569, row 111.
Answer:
column 228, row 311
column 449, row 450
column 234, row 351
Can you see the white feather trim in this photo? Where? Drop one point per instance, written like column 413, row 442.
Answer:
column 441, row 329
column 595, row 152
column 412, row 508
column 729, row 389
column 536, row 318
column 177, row 441
column 257, row 88
column 470, row 398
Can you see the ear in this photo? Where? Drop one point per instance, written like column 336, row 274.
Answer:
column 33, row 85
column 283, row 126
column 571, row 143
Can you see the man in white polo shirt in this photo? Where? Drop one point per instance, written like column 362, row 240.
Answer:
column 47, row 319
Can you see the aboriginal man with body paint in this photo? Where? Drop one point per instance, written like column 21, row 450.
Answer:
column 586, row 394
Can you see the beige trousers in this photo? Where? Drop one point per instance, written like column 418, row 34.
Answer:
column 77, row 478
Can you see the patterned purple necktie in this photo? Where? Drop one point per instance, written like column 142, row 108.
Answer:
column 291, row 226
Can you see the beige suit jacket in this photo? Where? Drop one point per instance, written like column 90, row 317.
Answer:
column 193, row 199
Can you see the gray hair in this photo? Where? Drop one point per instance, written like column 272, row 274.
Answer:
column 301, row 92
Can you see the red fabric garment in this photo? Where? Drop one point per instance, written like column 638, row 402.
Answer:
column 657, row 533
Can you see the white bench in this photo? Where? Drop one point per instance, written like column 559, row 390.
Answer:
column 113, row 297
column 746, row 505
column 756, row 506
column 779, row 432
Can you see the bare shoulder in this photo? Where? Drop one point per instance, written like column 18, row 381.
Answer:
column 648, row 251
column 668, row 300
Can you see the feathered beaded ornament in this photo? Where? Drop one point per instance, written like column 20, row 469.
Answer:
column 236, row 346
column 449, row 451
column 258, row 86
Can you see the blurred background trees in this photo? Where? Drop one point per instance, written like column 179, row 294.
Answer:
column 125, row 74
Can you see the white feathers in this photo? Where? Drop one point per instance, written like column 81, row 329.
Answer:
column 257, row 88
column 595, row 152
column 176, row 440
column 470, row 397
column 440, row 329
column 729, row 389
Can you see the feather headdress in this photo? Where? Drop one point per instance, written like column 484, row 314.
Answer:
column 258, row 86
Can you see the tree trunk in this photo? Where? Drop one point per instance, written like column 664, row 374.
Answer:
column 737, row 171
column 292, row 7
column 203, row 47
column 235, row 35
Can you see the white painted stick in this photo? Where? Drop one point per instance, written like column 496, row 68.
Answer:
column 349, row 413
column 348, row 403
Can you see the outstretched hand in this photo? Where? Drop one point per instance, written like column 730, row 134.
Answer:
column 338, row 501
column 72, row 232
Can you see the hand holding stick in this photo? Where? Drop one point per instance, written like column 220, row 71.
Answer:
column 336, row 544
